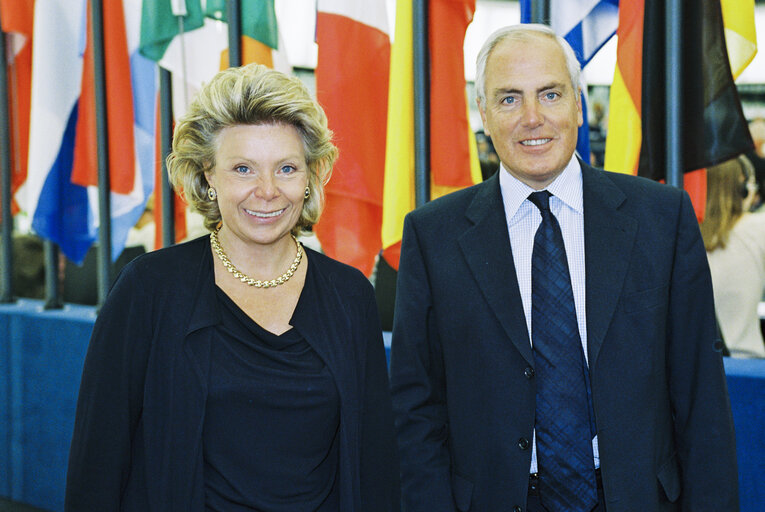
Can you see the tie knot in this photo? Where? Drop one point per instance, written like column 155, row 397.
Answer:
column 541, row 199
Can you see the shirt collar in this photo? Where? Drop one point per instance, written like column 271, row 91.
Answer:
column 567, row 187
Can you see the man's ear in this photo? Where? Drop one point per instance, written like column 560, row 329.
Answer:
column 482, row 111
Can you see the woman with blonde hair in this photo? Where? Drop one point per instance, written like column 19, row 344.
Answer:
column 239, row 371
column 735, row 244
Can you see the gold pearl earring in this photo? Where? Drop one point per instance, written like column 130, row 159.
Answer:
column 212, row 194
column 307, row 193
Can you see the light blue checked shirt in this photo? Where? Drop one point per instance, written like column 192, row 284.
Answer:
column 523, row 219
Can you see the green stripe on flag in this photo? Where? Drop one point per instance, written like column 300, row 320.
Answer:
column 258, row 19
column 159, row 26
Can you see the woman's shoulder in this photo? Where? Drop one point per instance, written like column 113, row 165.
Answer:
column 168, row 262
column 756, row 217
column 340, row 274
column 753, row 223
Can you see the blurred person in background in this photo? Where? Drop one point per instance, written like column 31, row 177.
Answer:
column 757, row 157
column 735, row 242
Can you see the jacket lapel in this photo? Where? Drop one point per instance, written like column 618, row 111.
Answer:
column 203, row 313
column 609, row 235
column 486, row 248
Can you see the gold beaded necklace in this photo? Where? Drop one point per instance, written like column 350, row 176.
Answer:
column 247, row 279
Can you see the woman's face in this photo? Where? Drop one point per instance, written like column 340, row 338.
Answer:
column 260, row 177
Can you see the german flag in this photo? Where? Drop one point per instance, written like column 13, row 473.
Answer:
column 454, row 156
column 713, row 125
column 740, row 35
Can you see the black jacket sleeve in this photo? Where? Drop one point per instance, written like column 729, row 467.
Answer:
column 110, row 397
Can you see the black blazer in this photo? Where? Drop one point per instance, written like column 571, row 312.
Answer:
column 137, row 442
column 462, row 367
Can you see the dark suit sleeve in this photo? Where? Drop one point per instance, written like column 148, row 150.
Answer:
column 379, row 469
column 418, row 384
column 703, row 423
column 109, row 402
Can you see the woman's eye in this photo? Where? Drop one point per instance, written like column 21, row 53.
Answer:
column 287, row 169
column 242, row 169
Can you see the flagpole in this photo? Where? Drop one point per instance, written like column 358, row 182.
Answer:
column 51, row 254
column 234, row 33
column 6, row 256
column 165, row 138
column 104, row 187
column 673, row 90
column 540, row 11
column 421, row 102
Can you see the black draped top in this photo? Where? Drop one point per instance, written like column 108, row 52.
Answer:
column 271, row 398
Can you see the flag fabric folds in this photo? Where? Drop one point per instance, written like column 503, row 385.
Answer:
column 714, row 127
column 61, row 190
column 260, row 33
column 625, row 98
column 160, row 24
column 352, row 86
column 740, row 36
column 119, row 106
column 178, row 37
column 586, row 24
column 58, row 209
column 181, row 39
column 18, row 21
column 454, row 157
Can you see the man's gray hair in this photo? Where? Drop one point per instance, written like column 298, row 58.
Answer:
column 522, row 32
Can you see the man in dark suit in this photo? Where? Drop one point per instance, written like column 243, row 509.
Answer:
column 638, row 417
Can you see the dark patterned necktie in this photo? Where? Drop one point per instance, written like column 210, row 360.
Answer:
column 564, row 418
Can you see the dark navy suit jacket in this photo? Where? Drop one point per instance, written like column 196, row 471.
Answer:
column 137, row 442
column 462, row 366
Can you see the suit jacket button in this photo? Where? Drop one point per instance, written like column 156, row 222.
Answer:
column 523, row 443
column 528, row 372
column 517, row 509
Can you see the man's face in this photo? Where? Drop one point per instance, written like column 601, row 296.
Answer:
column 531, row 110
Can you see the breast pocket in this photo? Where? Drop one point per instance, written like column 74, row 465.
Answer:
column 651, row 298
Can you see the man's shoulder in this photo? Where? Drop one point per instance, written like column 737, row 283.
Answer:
column 450, row 206
column 634, row 187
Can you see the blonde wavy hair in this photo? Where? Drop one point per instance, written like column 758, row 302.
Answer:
column 725, row 200
column 249, row 95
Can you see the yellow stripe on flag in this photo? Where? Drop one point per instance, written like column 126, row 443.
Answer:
column 398, row 191
column 624, row 129
column 253, row 51
column 740, row 35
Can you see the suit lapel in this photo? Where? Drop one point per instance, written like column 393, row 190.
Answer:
column 486, row 247
column 609, row 235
